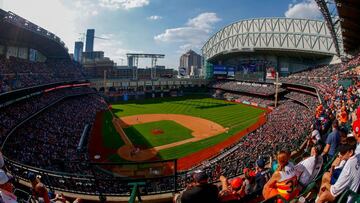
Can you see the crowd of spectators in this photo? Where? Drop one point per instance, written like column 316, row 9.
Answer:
column 261, row 142
column 18, row 73
column 338, row 112
column 246, row 87
column 319, row 76
column 309, row 100
column 55, row 134
column 287, row 126
column 13, row 114
column 248, row 99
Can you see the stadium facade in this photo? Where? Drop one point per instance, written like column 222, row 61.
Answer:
column 30, row 41
column 250, row 47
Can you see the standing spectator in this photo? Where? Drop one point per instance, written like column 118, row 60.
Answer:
column 309, row 168
column 248, row 180
column 332, row 142
column 343, row 135
column 261, row 177
column 314, row 138
column 284, row 181
column 200, row 190
column 39, row 190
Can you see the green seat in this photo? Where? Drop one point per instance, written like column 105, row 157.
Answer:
column 275, row 199
column 328, row 164
column 308, row 188
column 344, row 197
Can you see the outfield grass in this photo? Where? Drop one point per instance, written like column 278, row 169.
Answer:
column 236, row 117
column 222, row 112
column 141, row 134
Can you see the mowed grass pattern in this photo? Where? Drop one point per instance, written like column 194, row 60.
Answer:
column 224, row 113
column 236, row 117
column 111, row 137
column 142, row 135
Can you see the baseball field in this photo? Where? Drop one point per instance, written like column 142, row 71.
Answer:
column 171, row 128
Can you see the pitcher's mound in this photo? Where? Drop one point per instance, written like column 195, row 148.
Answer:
column 157, row 131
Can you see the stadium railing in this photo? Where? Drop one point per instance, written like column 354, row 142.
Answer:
column 95, row 181
column 135, row 192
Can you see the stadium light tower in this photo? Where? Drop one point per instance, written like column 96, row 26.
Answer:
column 133, row 61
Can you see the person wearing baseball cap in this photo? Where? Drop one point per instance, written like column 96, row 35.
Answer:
column 200, row 190
column 233, row 191
column 262, row 175
column 356, row 134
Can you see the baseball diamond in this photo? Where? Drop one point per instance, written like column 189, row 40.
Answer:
column 189, row 125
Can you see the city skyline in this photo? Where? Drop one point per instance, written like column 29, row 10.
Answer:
column 150, row 26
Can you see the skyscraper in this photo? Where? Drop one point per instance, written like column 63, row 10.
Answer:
column 79, row 46
column 89, row 46
column 191, row 61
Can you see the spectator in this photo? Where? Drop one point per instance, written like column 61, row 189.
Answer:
column 309, row 168
column 349, row 179
column 40, row 192
column 248, row 180
column 233, row 192
column 284, row 181
column 314, row 138
column 2, row 163
column 5, row 183
column 262, row 176
column 356, row 134
column 200, row 190
column 332, row 142
column 330, row 178
column 343, row 135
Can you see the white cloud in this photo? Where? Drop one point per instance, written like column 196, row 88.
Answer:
column 204, row 21
column 123, row 4
column 194, row 34
column 305, row 9
column 155, row 17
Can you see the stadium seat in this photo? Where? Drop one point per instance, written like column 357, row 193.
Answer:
column 349, row 193
column 275, row 199
column 22, row 196
column 328, row 164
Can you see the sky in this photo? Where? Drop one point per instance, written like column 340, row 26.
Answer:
column 169, row 27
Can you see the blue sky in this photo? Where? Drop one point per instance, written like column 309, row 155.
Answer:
column 168, row 27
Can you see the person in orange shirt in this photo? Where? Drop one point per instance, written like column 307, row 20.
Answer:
column 284, row 180
column 343, row 117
